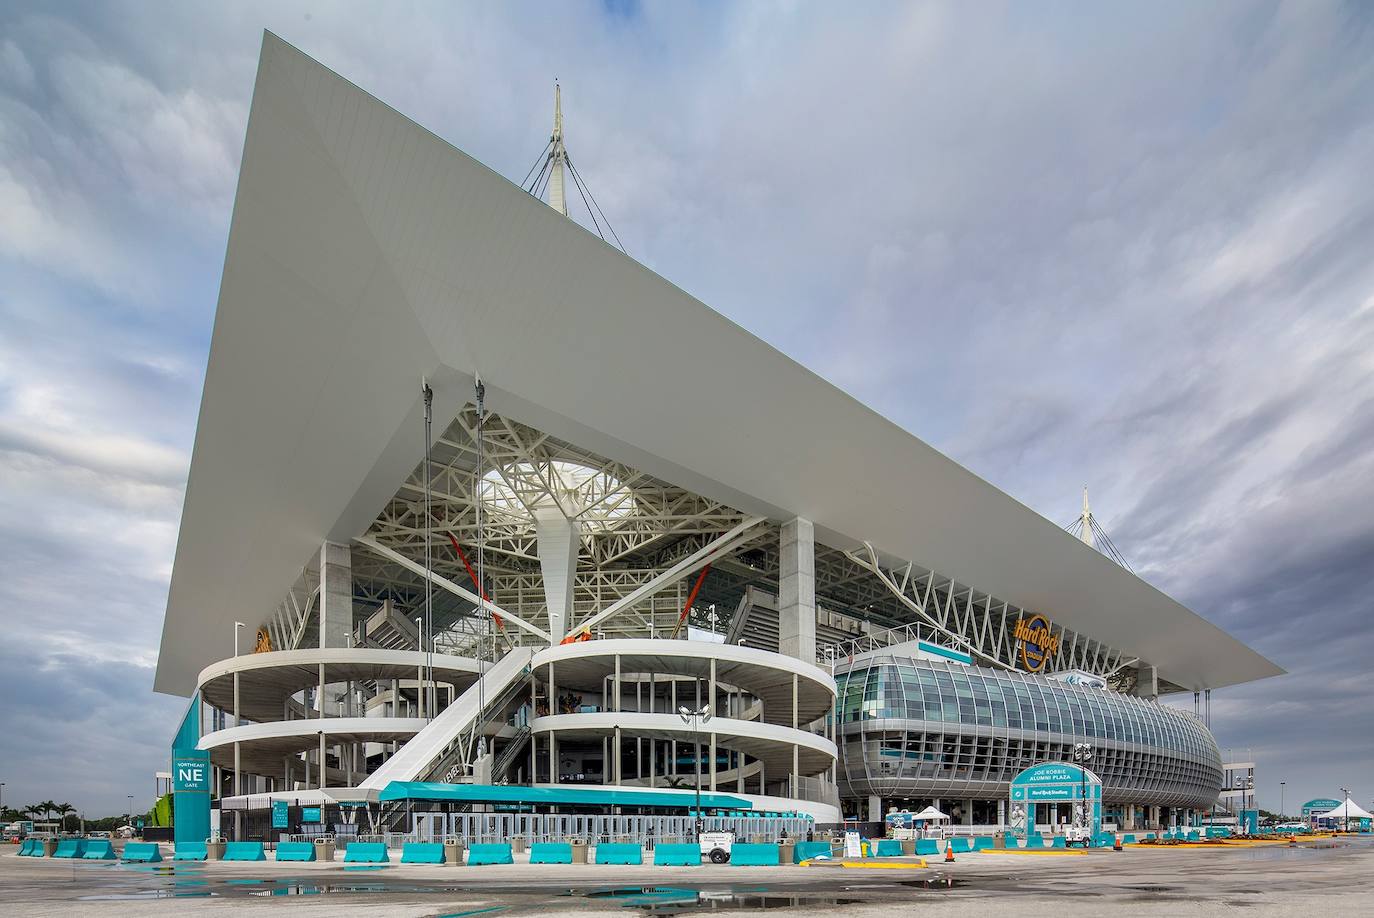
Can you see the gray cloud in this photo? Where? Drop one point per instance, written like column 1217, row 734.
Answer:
column 1123, row 247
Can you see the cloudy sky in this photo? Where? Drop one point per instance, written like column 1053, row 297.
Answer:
column 1126, row 246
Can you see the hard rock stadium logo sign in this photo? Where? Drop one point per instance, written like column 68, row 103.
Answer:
column 1036, row 643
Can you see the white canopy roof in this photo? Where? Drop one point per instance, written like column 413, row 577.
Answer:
column 1348, row 810
column 929, row 813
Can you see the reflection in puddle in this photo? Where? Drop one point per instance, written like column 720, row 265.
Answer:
column 665, row 900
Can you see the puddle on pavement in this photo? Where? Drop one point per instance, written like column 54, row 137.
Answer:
column 668, row 900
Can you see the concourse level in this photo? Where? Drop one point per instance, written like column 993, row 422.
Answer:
column 263, row 747
column 774, row 679
column 770, row 744
column 267, row 681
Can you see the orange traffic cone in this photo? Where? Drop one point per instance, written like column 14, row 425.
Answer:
column 949, row 852
column 1116, row 842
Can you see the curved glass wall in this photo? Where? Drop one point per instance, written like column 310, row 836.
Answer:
column 919, row 728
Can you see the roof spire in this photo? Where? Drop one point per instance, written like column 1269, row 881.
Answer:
column 1086, row 533
column 558, row 155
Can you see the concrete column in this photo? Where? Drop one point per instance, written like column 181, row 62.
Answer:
column 797, row 590
column 875, row 808
column 615, row 755
column 557, row 540
column 323, row 769
column 968, row 812
column 553, row 758
column 712, row 764
column 616, row 707
column 336, row 595
column 1001, row 812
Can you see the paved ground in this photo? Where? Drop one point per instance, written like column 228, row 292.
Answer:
column 1332, row 879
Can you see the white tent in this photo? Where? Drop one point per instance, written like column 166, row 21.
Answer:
column 1347, row 810
column 929, row 814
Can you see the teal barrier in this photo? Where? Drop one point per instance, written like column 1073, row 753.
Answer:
column 489, row 853
column 244, row 851
column 1128, row 839
column 422, row 853
column 677, row 855
column 807, row 850
column 26, row 849
column 961, row 844
column 887, row 847
column 619, row 854
column 1151, row 836
column 1036, row 840
column 70, row 847
column 142, row 852
column 295, row 851
column 982, row 843
column 749, row 855
column 98, row 849
column 1194, row 836
column 1104, row 840
column 1058, row 841
column 550, row 853
column 188, row 851
column 925, row 846
column 366, row 853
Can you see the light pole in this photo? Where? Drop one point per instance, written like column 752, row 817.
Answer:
column 131, row 809
column 237, row 626
column 1345, row 808
column 1082, row 755
column 694, row 718
column 1282, row 816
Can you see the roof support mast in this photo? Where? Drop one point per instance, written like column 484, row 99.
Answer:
column 557, row 156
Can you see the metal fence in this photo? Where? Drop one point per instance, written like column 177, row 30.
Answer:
column 552, row 827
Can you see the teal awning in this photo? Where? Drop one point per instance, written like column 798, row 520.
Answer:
column 566, row 796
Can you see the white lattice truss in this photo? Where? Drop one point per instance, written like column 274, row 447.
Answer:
column 634, row 528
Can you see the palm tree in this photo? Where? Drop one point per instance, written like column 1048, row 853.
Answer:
column 46, row 807
column 63, row 811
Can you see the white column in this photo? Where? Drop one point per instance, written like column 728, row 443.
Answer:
column 797, row 590
column 875, row 808
column 557, row 540
column 336, row 595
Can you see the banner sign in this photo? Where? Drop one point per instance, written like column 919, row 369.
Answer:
column 191, row 772
column 311, row 814
column 280, row 814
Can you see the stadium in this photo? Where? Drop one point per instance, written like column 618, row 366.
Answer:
column 465, row 542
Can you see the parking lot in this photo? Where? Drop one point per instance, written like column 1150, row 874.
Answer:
column 1271, row 879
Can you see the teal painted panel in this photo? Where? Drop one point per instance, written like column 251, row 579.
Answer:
column 142, row 852
column 582, row 796
column 1059, row 842
column 982, row 843
column 244, row 851
column 804, row 851
column 99, row 849
column 962, row 844
column 26, row 849
column 927, row 846
column 189, row 851
column 490, row 853
column 70, row 847
column 366, row 853
column 620, row 854
column 550, row 853
column 888, row 847
column 749, row 855
column 677, row 855
column 1128, row 839
column 295, row 851
column 190, row 795
column 422, row 853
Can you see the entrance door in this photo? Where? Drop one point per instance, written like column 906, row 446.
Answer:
column 429, row 827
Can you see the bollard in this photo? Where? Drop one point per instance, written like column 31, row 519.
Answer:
column 214, row 848
column 908, row 847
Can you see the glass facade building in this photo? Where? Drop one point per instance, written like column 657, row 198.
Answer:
column 915, row 728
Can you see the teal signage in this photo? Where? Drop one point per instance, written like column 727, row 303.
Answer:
column 311, row 814
column 280, row 814
column 1053, row 783
column 1320, row 805
column 191, row 783
column 190, row 771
